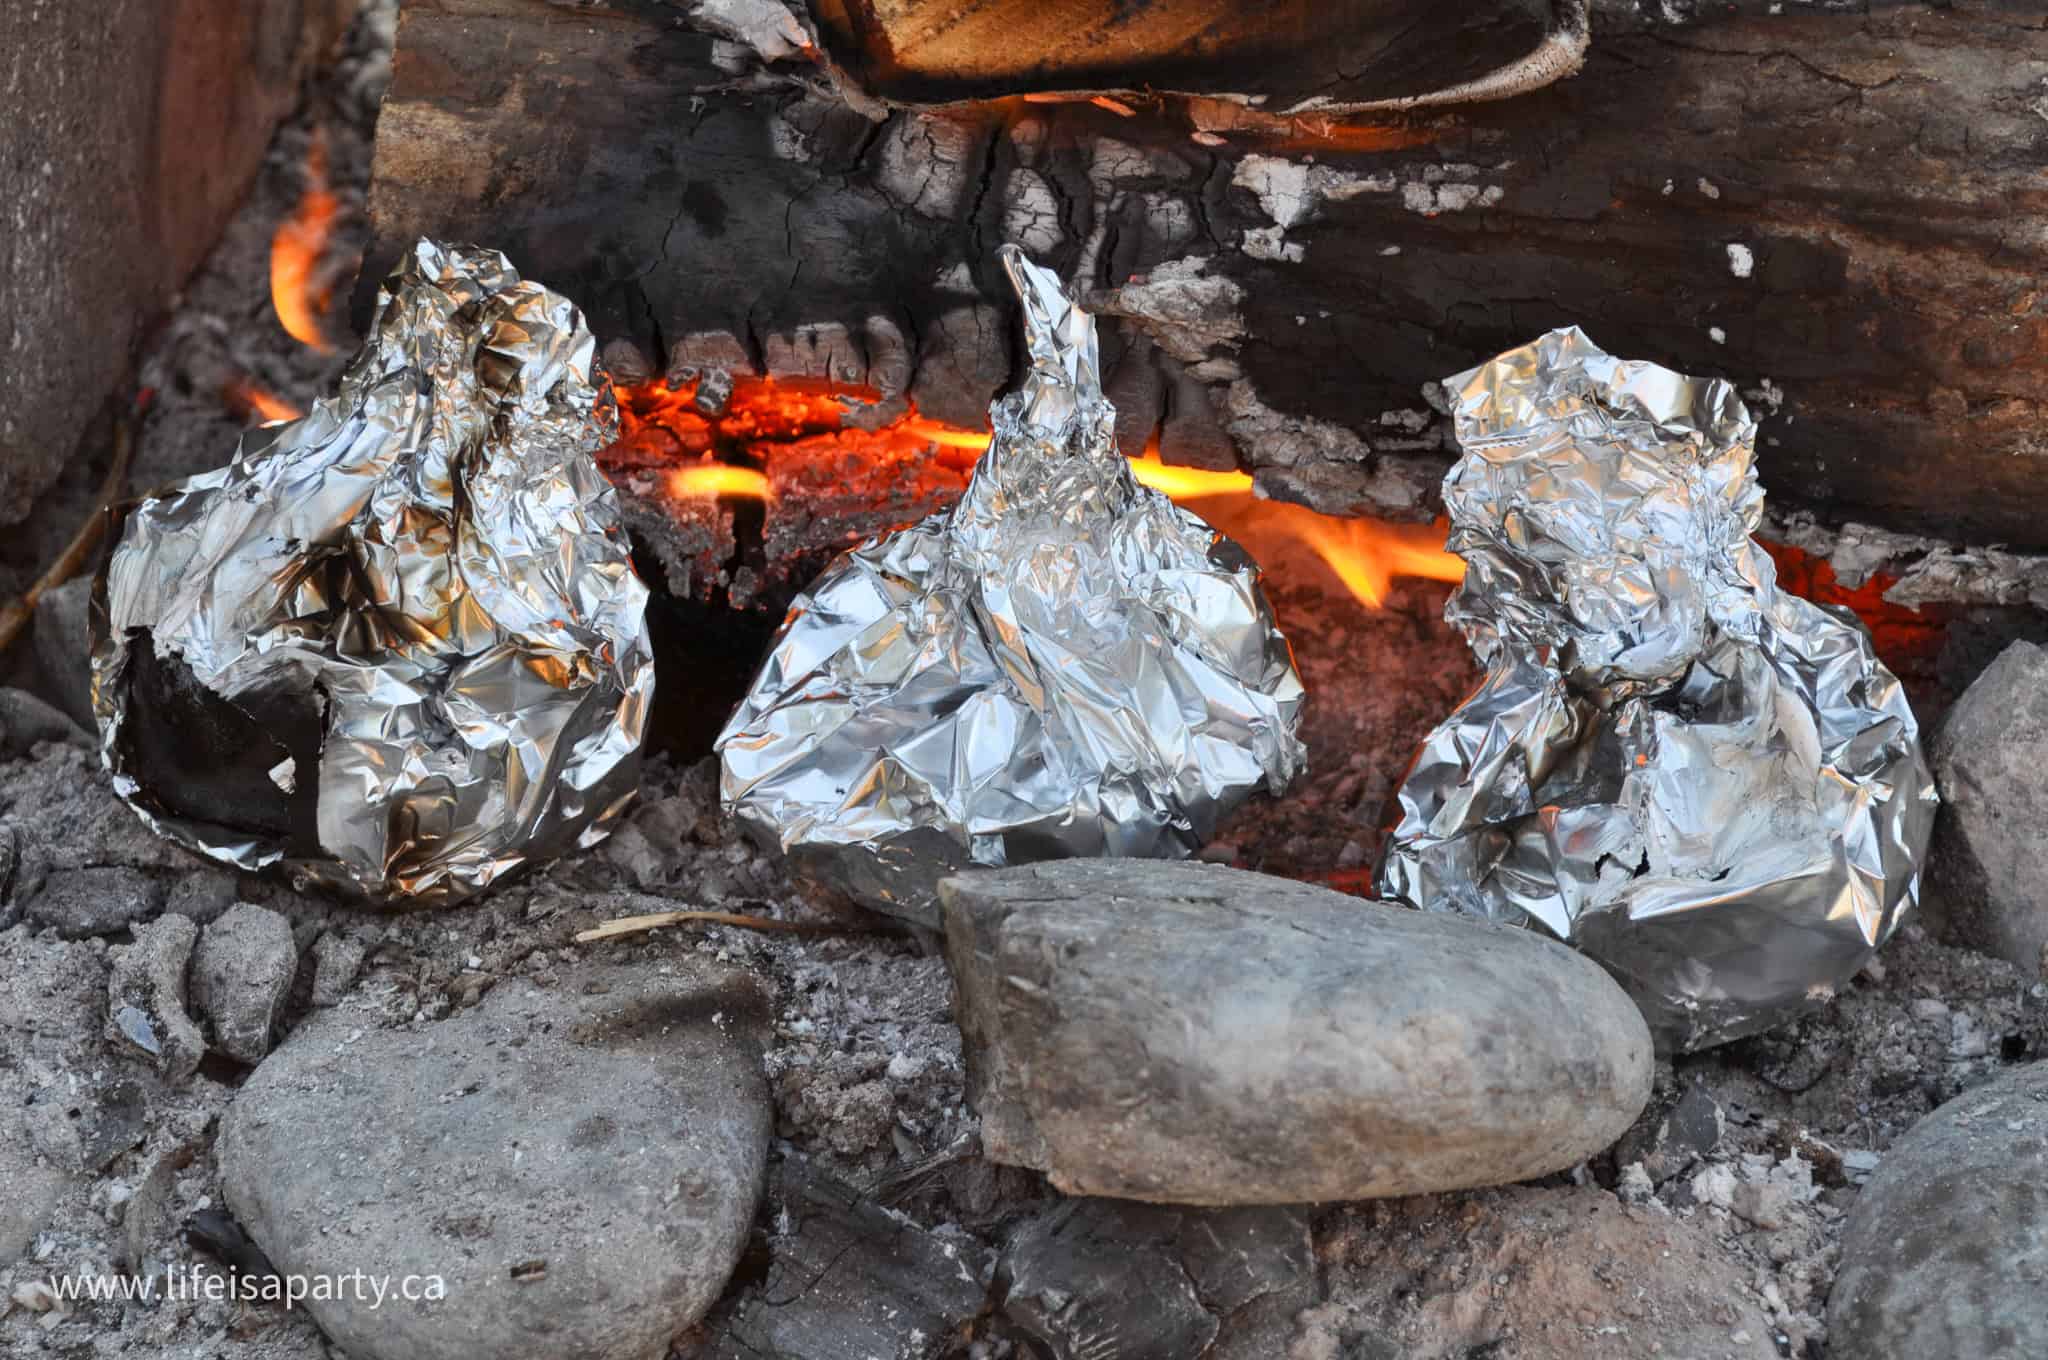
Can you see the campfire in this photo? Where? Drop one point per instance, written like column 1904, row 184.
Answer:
column 976, row 687
column 808, row 449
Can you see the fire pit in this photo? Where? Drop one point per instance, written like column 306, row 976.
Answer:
column 660, row 1096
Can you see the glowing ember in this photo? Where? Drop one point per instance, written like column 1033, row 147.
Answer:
column 251, row 402
column 834, row 452
column 1188, row 483
column 296, row 252
column 772, row 439
column 1909, row 640
column 946, row 436
column 718, row 479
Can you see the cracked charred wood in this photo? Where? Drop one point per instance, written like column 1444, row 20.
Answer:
column 1105, row 1279
column 843, row 1276
column 1298, row 54
column 1832, row 207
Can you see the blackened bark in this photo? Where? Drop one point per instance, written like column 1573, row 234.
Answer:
column 1841, row 210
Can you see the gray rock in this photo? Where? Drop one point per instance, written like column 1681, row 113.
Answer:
column 1945, row 1251
column 1984, row 886
column 201, row 895
column 579, row 1165
column 146, row 998
column 80, row 902
column 1098, row 1279
column 63, row 641
column 337, row 958
column 240, row 974
column 26, row 720
column 1191, row 1034
column 30, row 1187
column 847, row 1277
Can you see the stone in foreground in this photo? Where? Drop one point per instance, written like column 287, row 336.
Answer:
column 579, row 1164
column 1985, row 886
column 1946, row 1250
column 1196, row 1035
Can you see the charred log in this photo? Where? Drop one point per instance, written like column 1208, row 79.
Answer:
column 1306, row 54
column 1831, row 208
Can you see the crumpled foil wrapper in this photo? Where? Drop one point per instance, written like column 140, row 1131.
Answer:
column 396, row 647
column 1063, row 664
column 1710, row 786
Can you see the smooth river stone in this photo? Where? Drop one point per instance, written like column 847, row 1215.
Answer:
column 1945, row 1252
column 580, row 1164
column 1985, row 887
column 1189, row 1034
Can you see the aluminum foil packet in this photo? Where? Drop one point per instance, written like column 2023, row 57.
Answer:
column 1710, row 786
column 1063, row 664
column 394, row 648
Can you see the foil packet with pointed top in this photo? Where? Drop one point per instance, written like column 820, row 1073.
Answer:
column 1063, row 664
column 395, row 647
column 1712, row 787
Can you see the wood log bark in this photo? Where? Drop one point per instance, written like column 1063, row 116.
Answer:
column 1840, row 208
column 1308, row 54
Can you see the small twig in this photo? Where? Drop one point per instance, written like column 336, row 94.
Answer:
column 655, row 920
column 72, row 560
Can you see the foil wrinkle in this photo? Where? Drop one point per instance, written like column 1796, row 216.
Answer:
column 1710, row 785
column 395, row 647
column 1064, row 663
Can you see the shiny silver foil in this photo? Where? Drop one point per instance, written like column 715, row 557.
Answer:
column 395, row 647
column 1063, row 664
column 1710, row 786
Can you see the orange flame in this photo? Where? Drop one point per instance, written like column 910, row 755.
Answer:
column 249, row 401
column 1365, row 554
column 797, row 429
column 719, row 479
column 1188, row 483
column 944, row 435
column 295, row 254
column 1368, row 554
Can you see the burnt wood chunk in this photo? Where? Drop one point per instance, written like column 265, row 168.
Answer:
column 845, row 1276
column 1105, row 1279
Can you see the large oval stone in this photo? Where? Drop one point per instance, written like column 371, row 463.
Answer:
column 1198, row 1035
column 1946, row 1250
column 578, row 1166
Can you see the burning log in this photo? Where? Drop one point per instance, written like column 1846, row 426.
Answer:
column 1813, row 205
column 697, row 471
column 1308, row 55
